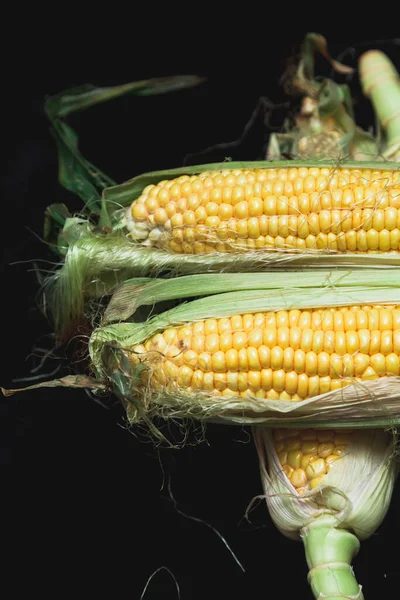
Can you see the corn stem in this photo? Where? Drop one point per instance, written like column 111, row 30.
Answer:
column 381, row 83
column 329, row 553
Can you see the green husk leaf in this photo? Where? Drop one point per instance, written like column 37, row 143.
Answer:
column 312, row 43
column 58, row 213
column 96, row 265
column 380, row 82
column 76, row 173
column 143, row 291
column 84, row 96
column 54, row 221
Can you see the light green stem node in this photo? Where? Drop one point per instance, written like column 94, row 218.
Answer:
column 329, row 553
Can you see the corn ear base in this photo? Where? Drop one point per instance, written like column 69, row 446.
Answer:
column 356, row 493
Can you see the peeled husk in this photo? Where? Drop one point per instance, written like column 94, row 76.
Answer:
column 356, row 492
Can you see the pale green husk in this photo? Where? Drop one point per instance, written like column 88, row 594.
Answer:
column 358, row 405
column 147, row 291
column 380, row 81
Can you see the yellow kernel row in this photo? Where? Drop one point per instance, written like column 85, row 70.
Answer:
column 323, row 364
column 297, row 180
column 377, row 213
column 282, row 345
column 190, row 228
column 268, row 219
column 334, row 319
column 184, row 241
column 266, row 383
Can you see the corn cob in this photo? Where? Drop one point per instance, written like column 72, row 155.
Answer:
column 328, row 209
column 286, row 355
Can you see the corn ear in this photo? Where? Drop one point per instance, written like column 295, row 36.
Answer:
column 115, row 358
column 97, row 260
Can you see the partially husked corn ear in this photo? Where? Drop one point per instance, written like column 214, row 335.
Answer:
column 306, row 456
column 336, row 494
column 351, row 210
column 286, row 355
column 251, row 348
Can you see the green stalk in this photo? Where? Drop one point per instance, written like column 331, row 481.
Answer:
column 329, row 553
column 381, row 83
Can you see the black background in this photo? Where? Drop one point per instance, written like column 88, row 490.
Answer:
column 87, row 511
